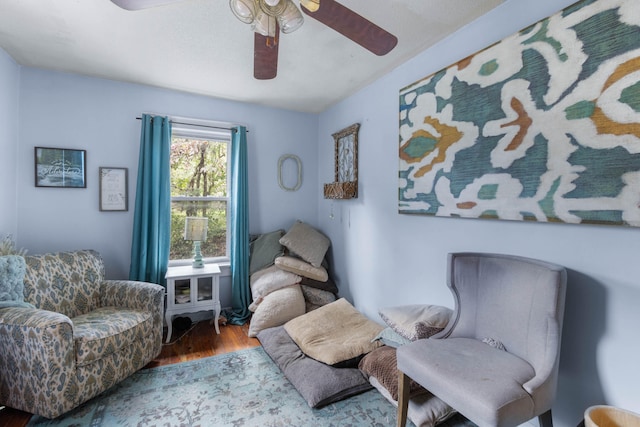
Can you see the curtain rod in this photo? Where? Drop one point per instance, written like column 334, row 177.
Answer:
column 197, row 125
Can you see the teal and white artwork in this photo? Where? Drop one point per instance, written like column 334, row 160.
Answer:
column 542, row 126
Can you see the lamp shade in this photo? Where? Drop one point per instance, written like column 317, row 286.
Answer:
column 291, row 18
column 244, row 10
column 195, row 228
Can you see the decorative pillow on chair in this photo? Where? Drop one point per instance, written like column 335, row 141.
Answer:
column 307, row 242
column 416, row 321
column 12, row 270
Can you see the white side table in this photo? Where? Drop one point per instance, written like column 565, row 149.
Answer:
column 190, row 290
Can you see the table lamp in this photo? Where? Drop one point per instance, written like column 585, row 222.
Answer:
column 195, row 229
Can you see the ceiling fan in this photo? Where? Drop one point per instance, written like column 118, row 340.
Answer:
column 270, row 17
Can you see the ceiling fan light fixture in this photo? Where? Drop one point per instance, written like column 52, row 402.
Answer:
column 291, row 18
column 265, row 24
column 310, row 5
column 272, row 3
column 244, row 10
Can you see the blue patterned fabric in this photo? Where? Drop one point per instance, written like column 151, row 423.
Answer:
column 542, row 126
column 84, row 335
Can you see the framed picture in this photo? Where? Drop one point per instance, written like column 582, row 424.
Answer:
column 345, row 185
column 60, row 167
column 346, row 154
column 113, row 189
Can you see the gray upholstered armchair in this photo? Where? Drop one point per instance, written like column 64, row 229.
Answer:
column 84, row 334
column 496, row 362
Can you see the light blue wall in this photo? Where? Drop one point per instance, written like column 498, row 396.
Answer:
column 383, row 258
column 9, row 85
column 71, row 111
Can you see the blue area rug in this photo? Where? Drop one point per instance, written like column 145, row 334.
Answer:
column 239, row 389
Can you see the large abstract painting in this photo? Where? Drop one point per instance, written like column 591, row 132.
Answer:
column 542, row 126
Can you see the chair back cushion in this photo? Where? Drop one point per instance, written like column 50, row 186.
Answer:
column 515, row 301
column 64, row 282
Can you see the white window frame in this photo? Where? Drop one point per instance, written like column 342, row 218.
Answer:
column 212, row 131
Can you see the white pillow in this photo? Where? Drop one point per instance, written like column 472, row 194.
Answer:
column 416, row 321
column 277, row 308
column 270, row 279
column 307, row 242
column 298, row 266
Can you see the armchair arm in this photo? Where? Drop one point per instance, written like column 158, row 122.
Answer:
column 137, row 296
column 133, row 295
column 543, row 384
column 37, row 361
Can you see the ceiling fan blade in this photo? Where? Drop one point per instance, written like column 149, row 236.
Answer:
column 265, row 56
column 141, row 4
column 354, row 27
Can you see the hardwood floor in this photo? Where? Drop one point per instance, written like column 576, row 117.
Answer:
column 197, row 342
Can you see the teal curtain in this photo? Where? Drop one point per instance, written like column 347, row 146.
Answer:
column 240, row 289
column 152, row 216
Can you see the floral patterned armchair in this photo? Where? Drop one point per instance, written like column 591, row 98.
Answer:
column 85, row 335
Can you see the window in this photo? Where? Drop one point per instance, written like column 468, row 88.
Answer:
column 199, row 187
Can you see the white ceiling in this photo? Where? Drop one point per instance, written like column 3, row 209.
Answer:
column 198, row 46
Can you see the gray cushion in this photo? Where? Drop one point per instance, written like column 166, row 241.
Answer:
column 264, row 250
column 319, row 384
column 496, row 377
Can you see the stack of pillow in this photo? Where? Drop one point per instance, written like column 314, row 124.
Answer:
column 406, row 324
column 289, row 275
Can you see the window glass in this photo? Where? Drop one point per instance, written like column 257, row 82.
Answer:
column 199, row 188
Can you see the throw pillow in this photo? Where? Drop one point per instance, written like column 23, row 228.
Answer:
column 335, row 334
column 270, row 279
column 329, row 285
column 307, row 242
column 301, row 268
column 317, row 297
column 12, row 271
column 391, row 338
column 416, row 321
column 276, row 309
column 264, row 250
column 382, row 364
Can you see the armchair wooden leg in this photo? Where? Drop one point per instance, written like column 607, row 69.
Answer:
column 403, row 398
column 545, row 419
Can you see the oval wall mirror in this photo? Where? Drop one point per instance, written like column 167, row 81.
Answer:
column 289, row 172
